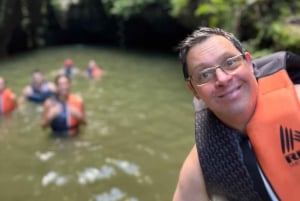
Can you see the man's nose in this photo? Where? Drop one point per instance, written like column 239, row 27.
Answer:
column 221, row 76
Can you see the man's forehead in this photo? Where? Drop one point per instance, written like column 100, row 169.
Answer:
column 211, row 52
column 217, row 41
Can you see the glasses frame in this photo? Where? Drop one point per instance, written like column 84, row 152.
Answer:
column 218, row 66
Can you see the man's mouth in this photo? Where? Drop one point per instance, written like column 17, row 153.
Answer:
column 232, row 93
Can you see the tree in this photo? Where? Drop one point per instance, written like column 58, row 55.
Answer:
column 263, row 23
column 10, row 18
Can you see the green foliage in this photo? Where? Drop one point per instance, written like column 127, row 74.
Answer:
column 206, row 9
column 285, row 36
column 221, row 13
column 126, row 8
column 177, row 6
column 213, row 7
column 252, row 19
column 273, row 26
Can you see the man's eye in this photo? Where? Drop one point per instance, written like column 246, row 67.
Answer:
column 230, row 62
column 204, row 75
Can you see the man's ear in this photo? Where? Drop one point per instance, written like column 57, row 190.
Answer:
column 189, row 85
column 248, row 57
column 249, row 60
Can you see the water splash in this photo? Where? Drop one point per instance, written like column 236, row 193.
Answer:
column 54, row 177
column 128, row 168
column 90, row 175
column 115, row 194
column 44, row 156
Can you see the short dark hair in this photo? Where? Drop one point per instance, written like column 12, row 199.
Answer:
column 36, row 71
column 200, row 35
column 59, row 76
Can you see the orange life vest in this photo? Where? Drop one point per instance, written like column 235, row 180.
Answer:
column 97, row 72
column 8, row 103
column 74, row 101
column 65, row 124
column 274, row 132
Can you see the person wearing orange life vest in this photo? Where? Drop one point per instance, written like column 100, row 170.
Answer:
column 247, row 135
column 64, row 112
column 7, row 99
column 68, row 68
column 93, row 71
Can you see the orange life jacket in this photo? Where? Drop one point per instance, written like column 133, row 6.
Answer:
column 97, row 72
column 8, row 103
column 65, row 124
column 274, row 132
column 73, row 101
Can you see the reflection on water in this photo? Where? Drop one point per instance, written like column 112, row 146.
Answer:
column 90, row 175
column 140, row 127
column 44, row 156
column 54, row 177
column 114, row 195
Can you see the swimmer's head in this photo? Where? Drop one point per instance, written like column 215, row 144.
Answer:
column 68, row 63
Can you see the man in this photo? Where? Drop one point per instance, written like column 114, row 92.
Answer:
column 39, row 89
column 68, row 68
column 93, row 71
column 7, row 99
column 246, row 139
column 64, row 112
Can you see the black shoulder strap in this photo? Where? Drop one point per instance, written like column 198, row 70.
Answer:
column 222, row 159
column 293, row 66
column 251, row 164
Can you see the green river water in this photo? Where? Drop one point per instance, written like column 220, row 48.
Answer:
column 140, row 128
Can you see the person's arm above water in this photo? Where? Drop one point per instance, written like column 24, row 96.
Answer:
column 79, row 113
column 191, row 186
column 52, row 87
column 84, row 120
column 25, row 92
column 14, row 99
column 49, row 113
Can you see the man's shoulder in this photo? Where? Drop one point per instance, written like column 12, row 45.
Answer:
column 8, row 92
column 75, row 97
column 28, row 88
column 50, row 85
column 269, row 64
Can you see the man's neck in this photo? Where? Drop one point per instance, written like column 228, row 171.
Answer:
column 63, row 97
column 237, row 122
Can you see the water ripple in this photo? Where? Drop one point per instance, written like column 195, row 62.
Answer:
column 115, row 194
column 90, row 175
column 54, row 177
column 44, row 156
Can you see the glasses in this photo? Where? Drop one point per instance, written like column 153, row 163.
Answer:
column 208, row 74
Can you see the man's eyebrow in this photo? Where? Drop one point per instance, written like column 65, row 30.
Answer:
column 222, row 58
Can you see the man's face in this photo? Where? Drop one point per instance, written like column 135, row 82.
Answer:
column 63, row 86
column 226, row 94
column 92, row 64
column 2, row 84
column 37, row 78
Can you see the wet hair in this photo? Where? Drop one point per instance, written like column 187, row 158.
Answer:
column 199, row 36
column 60, row 76
column 4, row 81
column 36, row 71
